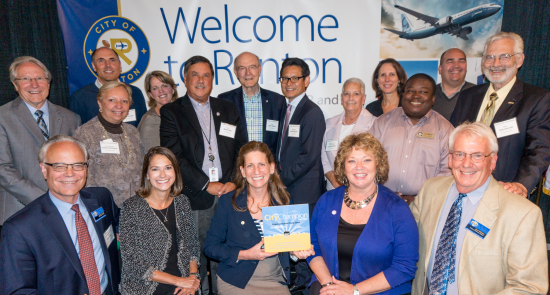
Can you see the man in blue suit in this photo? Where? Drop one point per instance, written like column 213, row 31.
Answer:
column 63, row 242
column 299, row 147
column 260, row 109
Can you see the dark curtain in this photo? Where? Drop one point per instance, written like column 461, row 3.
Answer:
column 32, row 28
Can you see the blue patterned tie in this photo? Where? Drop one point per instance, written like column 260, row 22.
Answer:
column 443, row 272
column 42, row 124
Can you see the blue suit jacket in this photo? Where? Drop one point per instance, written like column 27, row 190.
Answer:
column 300, row 164
column 273, row 105
column 388, row 243
column 38, row 256
column 230, row 232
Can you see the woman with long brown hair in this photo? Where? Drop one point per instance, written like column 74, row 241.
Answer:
column 235, row 237
column 388, row 81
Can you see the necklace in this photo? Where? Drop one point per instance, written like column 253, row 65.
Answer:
column 344, row 121
column 165, row 215
column 356, row 205
column 125, row 140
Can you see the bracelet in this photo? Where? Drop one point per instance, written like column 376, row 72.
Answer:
column 195, row 274
column 327, row 284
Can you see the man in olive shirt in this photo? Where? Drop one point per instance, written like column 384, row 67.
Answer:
column 415, row 138
column 452, row 68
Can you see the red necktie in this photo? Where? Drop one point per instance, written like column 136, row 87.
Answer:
column 86, row 249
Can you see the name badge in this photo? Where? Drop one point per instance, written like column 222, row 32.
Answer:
column 228, row 130
column 332, row 145
column 213, row 174
column 272, row 125
column 131, row 116
column 477, row 228
column 109, row 235
column 506, row 128
column 293, row 130
column 98, row 214
column 108, row 146
column 425, row 135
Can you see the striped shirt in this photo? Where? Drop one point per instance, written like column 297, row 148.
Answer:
column 254, row 116
column 260, row 226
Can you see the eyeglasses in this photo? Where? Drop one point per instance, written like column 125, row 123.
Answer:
column 475, row 157
column 62, row 167
column 503, row 58
column 284, row 80
column 28, row 80
column 250, row 68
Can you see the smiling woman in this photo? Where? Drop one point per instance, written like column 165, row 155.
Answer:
column 115, row 147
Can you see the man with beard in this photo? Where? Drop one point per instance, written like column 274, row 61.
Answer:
column 516, row 111
column 415, row 138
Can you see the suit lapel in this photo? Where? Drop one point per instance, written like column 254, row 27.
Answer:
column 511, row 101
column 295, row 119
column 24, row 115
column 56, row 121
column 484, row 215
column 477, row 100
column 239, row 102
column 54, row 222
column 337, row 130
column 266, row 112
column 189, row 113
column 217, row 114
column 245, row 218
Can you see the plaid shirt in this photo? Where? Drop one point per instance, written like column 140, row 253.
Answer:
column 254, row 116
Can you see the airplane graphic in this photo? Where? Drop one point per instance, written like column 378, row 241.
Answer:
column 452, row 25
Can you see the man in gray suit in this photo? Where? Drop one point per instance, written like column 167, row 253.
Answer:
column 25, row 124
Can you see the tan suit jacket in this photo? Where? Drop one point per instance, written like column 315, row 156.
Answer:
column 512, row 257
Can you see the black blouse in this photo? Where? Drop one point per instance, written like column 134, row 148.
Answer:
column 375, row 107
column 348, row 234
column 172, row 263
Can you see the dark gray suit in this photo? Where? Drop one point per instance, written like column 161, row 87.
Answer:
column 21, row 180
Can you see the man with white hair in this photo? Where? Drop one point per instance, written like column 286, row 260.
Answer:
column 516, row 111
column 475, row 236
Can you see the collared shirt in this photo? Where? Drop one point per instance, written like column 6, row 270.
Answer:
column 415, row 152
column 45, row 115
column 444, row 104
column 98, row 84
column 294, row 104
column 469, row 207
column 502, row 93
column 206, row 119
column 68, row 216
column 254, row 116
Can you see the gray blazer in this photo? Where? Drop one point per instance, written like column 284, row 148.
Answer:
column 21, row 180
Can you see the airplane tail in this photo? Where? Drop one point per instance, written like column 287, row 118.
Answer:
column 405, row 24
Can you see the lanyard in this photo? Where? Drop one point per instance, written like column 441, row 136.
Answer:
column 210, row 155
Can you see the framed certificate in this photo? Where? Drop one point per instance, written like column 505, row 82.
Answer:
column 286, row 228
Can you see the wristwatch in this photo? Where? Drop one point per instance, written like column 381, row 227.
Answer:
column 355, row 290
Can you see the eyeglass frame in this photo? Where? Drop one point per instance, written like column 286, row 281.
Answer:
column 285, row 80
column 493, row 58
column 67, row 166
column 250, row 68
column 37, row 80
column 471, row 159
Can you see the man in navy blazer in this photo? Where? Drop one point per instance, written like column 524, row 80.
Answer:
column 41, row 247
column 299, row 146
column 260, row 110
column 521, row 120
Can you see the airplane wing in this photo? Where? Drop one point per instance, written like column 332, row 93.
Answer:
column 461, row 36
column 400, row 33
column 426, row 18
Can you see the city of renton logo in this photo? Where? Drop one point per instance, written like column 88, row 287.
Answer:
column 126, row 38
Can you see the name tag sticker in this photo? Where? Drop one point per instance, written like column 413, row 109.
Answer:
column 506, row 128
column 109, row 236
column 213, row 174
column 228, row 130
column 272, row 125
column 425, row 135
column 108, row 146
column 293, row 130
column 131, row 116
column 332, row 145
column 477, row 228
column 98, row 214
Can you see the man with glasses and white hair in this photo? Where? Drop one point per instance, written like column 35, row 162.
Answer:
column 64, row 242
column 516, row 111
column 260, row 110
column 25, row 124
column 475, row 236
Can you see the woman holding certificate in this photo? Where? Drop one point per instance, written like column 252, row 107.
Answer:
column 235, row 237
column 364, row 236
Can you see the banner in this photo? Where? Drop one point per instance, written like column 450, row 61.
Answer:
column 338, row 40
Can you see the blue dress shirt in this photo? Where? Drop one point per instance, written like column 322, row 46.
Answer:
column 45, row 113
column 469, row 207
column 68, row 216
